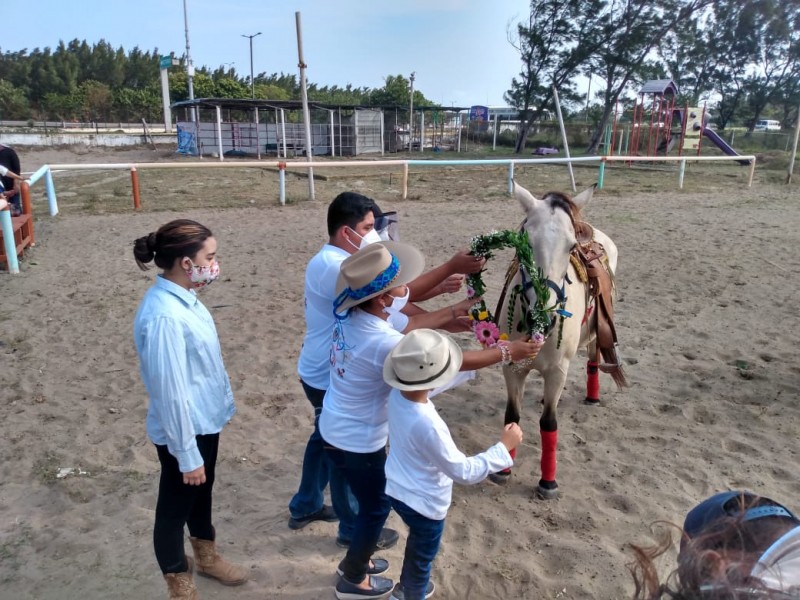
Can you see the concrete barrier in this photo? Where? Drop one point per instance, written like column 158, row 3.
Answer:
column 111, row 140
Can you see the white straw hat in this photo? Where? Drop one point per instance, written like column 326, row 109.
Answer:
column 424, row 359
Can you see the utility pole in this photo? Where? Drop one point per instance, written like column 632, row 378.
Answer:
column 252, row 81
column 189, row 65
column 301, row 64
column 411, row 114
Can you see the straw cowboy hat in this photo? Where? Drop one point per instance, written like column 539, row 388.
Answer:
column 374, row 270
column 424, row 359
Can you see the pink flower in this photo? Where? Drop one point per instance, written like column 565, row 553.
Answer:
column 486, row 332
column 470, row 292
column 538, row 338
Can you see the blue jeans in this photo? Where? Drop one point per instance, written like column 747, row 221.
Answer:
column 422, row 545
column 364, row 472
column 316, row 474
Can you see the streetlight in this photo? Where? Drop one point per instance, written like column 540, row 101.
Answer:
column 189, row 64
column 252, row 81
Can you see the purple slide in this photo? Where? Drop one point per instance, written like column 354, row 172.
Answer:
column 722, row 144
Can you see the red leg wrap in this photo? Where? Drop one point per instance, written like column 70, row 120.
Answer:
column 592, row 381
column 549, row 446
column 513, row 454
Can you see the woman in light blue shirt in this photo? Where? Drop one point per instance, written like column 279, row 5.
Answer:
column 190, row 399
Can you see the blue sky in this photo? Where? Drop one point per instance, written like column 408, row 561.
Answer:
column 458, row 48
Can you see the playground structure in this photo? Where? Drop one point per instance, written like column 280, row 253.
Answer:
column 658, row 126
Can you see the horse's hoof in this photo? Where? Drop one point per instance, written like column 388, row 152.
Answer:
column 547, row 490
column 500, row 478
column 592, row 401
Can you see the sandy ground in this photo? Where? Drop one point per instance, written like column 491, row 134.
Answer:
column 707, row 318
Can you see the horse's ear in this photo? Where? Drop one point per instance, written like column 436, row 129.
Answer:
column 525, row 198
column 582, row 199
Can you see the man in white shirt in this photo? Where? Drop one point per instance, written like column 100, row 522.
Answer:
column 351, row 226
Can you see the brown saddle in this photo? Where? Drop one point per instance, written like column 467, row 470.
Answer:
column 591, row 263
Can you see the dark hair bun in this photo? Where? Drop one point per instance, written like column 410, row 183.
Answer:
column 144, row 250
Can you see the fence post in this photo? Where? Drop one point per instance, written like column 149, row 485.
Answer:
column 282, row 182
column 137, row 203
column 511, row 178
column 8, row 238
column 51, row 192
column 681, row 173
column 405, row 180
column 601, row 173
column 27, row 207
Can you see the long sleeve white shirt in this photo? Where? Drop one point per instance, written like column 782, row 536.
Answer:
column 424, row 461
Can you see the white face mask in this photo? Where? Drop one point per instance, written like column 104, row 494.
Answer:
column 398, row 303
column 370, row 237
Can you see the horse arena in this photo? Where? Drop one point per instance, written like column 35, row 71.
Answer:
column 706, row 314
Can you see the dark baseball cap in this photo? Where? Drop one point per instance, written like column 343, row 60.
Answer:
column 737, row 504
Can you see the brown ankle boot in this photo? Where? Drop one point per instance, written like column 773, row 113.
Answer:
column 181, row 585
column 211, row 564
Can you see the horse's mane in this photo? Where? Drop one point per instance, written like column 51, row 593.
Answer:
column 559, row 200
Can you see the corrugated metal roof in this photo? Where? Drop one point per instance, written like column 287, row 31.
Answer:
column 659, row 86
column 250, row 103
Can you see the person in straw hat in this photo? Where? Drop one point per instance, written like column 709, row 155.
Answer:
column 353, row 222
column 354, row 419
column 423, row 459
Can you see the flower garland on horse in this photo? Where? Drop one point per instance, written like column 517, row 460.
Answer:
column 536, row 317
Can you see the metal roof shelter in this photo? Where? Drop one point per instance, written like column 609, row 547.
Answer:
column 347, row 129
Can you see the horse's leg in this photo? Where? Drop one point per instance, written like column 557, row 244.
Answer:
column 592, row 375
column 554, row 380
column 515, row 387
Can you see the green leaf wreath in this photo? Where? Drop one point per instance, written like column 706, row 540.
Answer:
column 536, row 318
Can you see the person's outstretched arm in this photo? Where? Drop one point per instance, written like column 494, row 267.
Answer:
column 438, row 444
column 460, row 263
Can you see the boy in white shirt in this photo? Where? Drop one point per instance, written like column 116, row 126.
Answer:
column 423, row 459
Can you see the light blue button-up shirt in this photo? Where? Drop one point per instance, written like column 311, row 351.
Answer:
column 181, row 365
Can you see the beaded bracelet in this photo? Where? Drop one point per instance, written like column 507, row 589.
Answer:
column 505, row 353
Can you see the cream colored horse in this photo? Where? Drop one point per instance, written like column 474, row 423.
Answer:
column 550, row 223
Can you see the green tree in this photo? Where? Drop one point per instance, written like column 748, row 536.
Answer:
column 13, row 103
column 631, row 30
column 96, row 101
column 554, row 44
column 776, row 65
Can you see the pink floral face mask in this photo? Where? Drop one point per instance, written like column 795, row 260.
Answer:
column 202, row 276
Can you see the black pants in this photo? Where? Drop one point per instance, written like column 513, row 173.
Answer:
column 180, row 504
